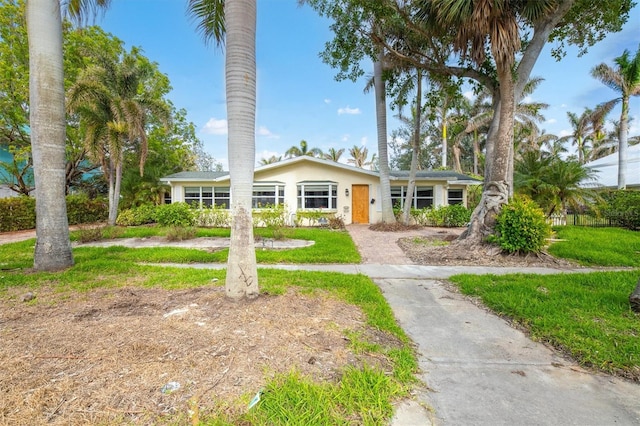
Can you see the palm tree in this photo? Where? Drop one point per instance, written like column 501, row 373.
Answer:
column 625, row 79
column 359, row 156
column 47, row 126
column 113, row 99
column 239, row 23
column 270, row 160
column 587, row 128
column 302, row 150
column 334, row 154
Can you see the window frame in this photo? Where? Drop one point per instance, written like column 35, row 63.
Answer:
column 331, row 196
column 275, row 196
column 457, row 200
column 415, row 200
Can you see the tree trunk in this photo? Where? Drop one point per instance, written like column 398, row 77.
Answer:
column 622, row 144
column 496, row 189
column 47, row 122
column 476, row 152
column 117, row 183
column 383, row 156
column 634, row 298
column 240, row 73
column 415, row 152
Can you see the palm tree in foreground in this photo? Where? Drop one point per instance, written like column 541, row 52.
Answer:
column 625, row 79
column 239, row 22
column 47, row 127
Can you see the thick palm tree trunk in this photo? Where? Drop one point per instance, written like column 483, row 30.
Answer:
column 383, row 156
column 47, row 121
column 240, row 72
column 496, row 189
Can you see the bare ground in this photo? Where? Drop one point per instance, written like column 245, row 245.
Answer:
column 103, row 357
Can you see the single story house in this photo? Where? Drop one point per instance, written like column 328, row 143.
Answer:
column 309, row 183
column 607, row 170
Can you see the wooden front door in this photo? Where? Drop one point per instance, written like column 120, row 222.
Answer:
column 360, row 203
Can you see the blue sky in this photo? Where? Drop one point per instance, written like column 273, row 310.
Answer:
column 298, row 97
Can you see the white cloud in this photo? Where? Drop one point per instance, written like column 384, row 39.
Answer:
column 527, row 99
column 564, row 133
column 215, row 127
column 551, row 121
column 364, row 140
column 563, row 105
column 263, row 131
column 347, row 110
column 469, row 95
column 327, row 101
column 345, row 138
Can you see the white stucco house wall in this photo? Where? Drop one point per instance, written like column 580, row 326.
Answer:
column 308, row 183
column 607, row 169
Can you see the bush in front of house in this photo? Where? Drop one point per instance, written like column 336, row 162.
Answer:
column 213, row 217
column 82, row 209
column 17, row 213
column 451, row 216
column 136, row 216
column 175, row 214
column 521, row 226
column 622, row 207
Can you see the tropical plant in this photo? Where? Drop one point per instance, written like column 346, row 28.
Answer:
column 586, row 129
column 237, row 19
column 270, row 160
column 334, row 154
column 113, row 99
column 624, row 79
column 359, row 156
column 303, row 150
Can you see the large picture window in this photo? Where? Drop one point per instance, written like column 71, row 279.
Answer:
column 267, row 195
column 318, row 195
column 206, row 196
column 422, row 196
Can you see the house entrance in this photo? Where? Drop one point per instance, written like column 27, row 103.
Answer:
column 360, row 203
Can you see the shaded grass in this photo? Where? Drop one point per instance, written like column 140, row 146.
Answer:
column 598, row 246
column 585, row 315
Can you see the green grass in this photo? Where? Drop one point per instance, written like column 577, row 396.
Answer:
column 597, row 246
column 586, row 315
column 362, row 395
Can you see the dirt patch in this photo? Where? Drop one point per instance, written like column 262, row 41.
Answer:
column 133, row 355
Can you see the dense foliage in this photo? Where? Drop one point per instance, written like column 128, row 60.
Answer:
column 521, row 227
column 623, row 208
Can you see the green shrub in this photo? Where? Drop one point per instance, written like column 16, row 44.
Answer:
column 521, row 226
column 17, row 213
column 89, row 235
column 213, row 217
column 175, row 214
column 622, row 208
column 82, row 209
column 141, row 215
column 270, row 216
column 310, row 217
column 447, row 216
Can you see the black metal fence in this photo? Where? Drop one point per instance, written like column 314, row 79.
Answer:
column 585, row 219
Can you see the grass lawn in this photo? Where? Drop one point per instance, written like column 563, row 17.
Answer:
column 363, row 394
column 597, row 246
column 585, row 315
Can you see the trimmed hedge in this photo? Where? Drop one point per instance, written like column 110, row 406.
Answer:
column 19, row 213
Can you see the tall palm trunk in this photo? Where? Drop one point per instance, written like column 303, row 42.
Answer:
column 240, row 73
column 622, row 144
column 47, row 121
column 383, row 156
column 415, row 152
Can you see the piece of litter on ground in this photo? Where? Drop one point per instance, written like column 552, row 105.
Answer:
column 254, row 400
column 215, row 280
column 170, row 387
column 176, row 312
